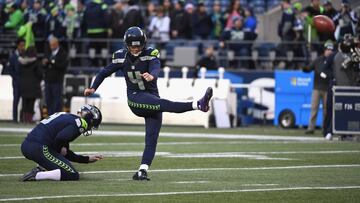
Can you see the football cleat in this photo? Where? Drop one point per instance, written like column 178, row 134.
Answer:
column 141, row 175
column 328, row 136
column 30, row 176
column 203, row 103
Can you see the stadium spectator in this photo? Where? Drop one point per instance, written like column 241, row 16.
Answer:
column 190, row 10
column 233, row 12
column 202, row 23
column 116, row 18
column 24, row 5
column 159, row 27
column 80, row 18
column 218, row 20
column 55, row 65
column 71, row 22
column 143, row 96
column 320, row 86
column 180, row 22
column 54, row 24
column 36, row 15
column 133, row 16
column 330, row 12
column 314, row 9
column 30, row 78
column 16, row 17
column 285, row 28
column 168, row 7
column 13, row 69
column 345, row 20
column 329, row 9
column 64, row 3
column 299, row 48
column 150, row 13
column 48, row 144
column 250, row 22
column 240, row 41
column 96, row 24
column 159, row 30
column 208, row 61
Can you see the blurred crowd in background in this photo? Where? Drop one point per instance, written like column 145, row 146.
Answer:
column 229, row 25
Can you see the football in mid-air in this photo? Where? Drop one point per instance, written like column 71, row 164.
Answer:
column 323, row 24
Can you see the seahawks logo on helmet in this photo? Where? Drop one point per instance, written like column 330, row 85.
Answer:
column 90, row 119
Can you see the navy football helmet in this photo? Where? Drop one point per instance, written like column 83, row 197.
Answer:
column 92, row 115
column 134, row 36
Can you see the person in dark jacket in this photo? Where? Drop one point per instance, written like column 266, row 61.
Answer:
column 133, row 16
column 329, row 10
column 95, row 21
column 208, row 61
column 345, row 21
column 13, row 69
column 180, row 23
column 285, row 28
column 30, row 78
column 320, row 86
column 55, row 64
column 116, row 20
column 37, row 15
column 203, row 24
column 54, row 24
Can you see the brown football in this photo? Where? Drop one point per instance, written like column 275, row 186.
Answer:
column 323, row 24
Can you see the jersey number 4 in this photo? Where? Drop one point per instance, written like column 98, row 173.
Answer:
column 135, row 77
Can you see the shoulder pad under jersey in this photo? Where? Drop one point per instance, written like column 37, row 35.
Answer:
column 150, row 53
column 119, row 56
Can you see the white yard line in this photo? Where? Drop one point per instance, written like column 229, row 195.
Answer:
column 187, row 135
column 180, row 193
column 119, row 179
column 258, row 184
column 176, row 143
column 249, row 155
column 215, row 169
column 192, row 182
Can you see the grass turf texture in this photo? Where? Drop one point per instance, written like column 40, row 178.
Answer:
column 247, row 181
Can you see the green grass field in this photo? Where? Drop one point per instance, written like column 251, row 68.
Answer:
column 191, row 168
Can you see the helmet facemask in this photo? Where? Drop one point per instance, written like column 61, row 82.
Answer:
column 135, row 38
column 92, row 116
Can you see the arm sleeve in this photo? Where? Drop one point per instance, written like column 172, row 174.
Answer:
column 71, row 156
column 154, row 67
column 105, row 72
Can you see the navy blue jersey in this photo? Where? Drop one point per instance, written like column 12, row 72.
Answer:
column 132, row 68
column 58, row 130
